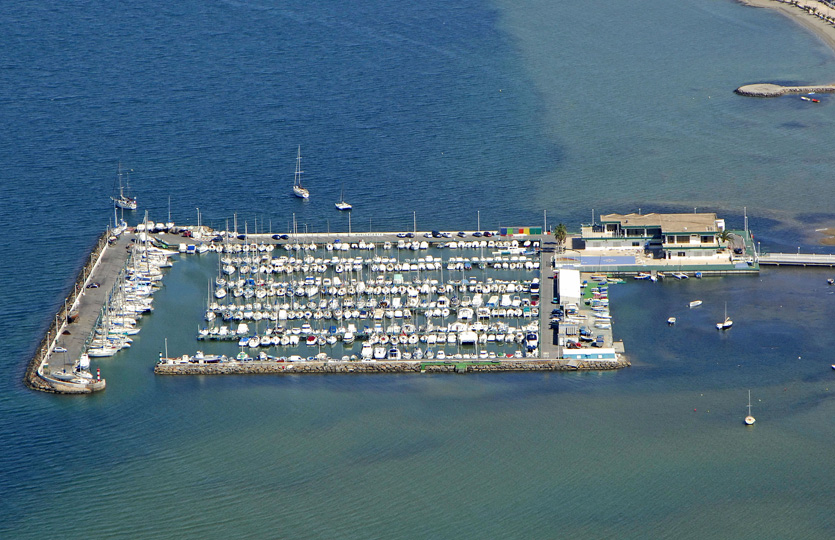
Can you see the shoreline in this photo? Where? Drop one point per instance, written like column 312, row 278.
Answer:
column 799, row 13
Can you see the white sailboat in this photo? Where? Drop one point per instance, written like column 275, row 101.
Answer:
column 727, row 323
column 124, row 201
column 749, row 420
column 298, row 190
column 342, row 205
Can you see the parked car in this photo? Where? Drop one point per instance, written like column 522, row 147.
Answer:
column 477, row 234
column 462, row 234
column 488, row 234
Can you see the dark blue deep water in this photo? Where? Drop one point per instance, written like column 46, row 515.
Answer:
column 445, row 114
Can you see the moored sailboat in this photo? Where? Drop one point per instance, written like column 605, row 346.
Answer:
column 749, row 420
column 298, row 190
column 727, row 323
column 124, row 201
column 342, row 205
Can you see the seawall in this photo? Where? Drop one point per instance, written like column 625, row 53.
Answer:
column 32, row 378
column 415, row 366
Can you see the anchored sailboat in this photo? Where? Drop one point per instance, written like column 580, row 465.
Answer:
column 749, row 420
column 727, row 323
column 124, row 201
column 298, row 190
column 342, row 205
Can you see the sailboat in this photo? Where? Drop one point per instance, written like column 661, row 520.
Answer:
column 749, row 420
column 124, row 201
column 298, row 190
column 727, row 323
column 342, row 205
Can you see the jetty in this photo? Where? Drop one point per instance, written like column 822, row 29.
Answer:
column 797, row 259
column 53, row 366
column 767, row 90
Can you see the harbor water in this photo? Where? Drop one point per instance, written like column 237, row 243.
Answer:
column 481, row 114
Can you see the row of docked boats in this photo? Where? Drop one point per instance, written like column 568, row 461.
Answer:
column 244, row 267
column 368, row 354
column 509, row 247
column 656, row 276
column 130, row 298
column 498, row 333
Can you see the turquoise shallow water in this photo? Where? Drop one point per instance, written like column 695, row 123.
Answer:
column 491, row 110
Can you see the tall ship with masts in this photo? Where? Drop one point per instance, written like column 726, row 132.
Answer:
column 124, row 199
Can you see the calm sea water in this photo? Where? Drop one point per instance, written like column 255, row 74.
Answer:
column 445, row 114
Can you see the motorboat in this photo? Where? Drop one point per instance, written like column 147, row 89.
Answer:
column 671, row 321
column 695, row 303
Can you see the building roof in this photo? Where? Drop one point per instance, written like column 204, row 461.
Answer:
column 568, row 283
column 694, row 223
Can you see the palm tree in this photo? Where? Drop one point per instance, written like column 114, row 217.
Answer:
column 560, row 235
column 724, row 236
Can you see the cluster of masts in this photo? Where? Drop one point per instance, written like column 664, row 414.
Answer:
column 130, row 298
column 384, row 294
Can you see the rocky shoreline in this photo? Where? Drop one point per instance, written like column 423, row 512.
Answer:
column 296, row 368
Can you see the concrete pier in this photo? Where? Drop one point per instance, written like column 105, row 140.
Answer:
column 74, row 322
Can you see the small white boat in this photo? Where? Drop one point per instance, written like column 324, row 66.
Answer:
column 695, row 303
column 298, row 190
column 671, row 321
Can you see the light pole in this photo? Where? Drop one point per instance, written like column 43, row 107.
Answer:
column 478, row 220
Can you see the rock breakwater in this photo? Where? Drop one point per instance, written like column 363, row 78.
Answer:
column 295, row 368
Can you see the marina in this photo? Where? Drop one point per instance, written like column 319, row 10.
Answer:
column 326, row 303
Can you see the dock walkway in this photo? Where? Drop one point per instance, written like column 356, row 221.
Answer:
column 798, row 259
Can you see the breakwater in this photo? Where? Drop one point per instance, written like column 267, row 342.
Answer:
column 66, row 315
column 300, row 368
column 775, row 90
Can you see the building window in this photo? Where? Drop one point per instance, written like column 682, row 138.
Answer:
column 636, row 244
column 682, row 254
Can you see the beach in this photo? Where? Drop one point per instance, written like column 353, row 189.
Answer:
column 800, row 13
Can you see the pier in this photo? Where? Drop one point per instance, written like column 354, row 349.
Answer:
column 73, row 324
column 797, row 259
